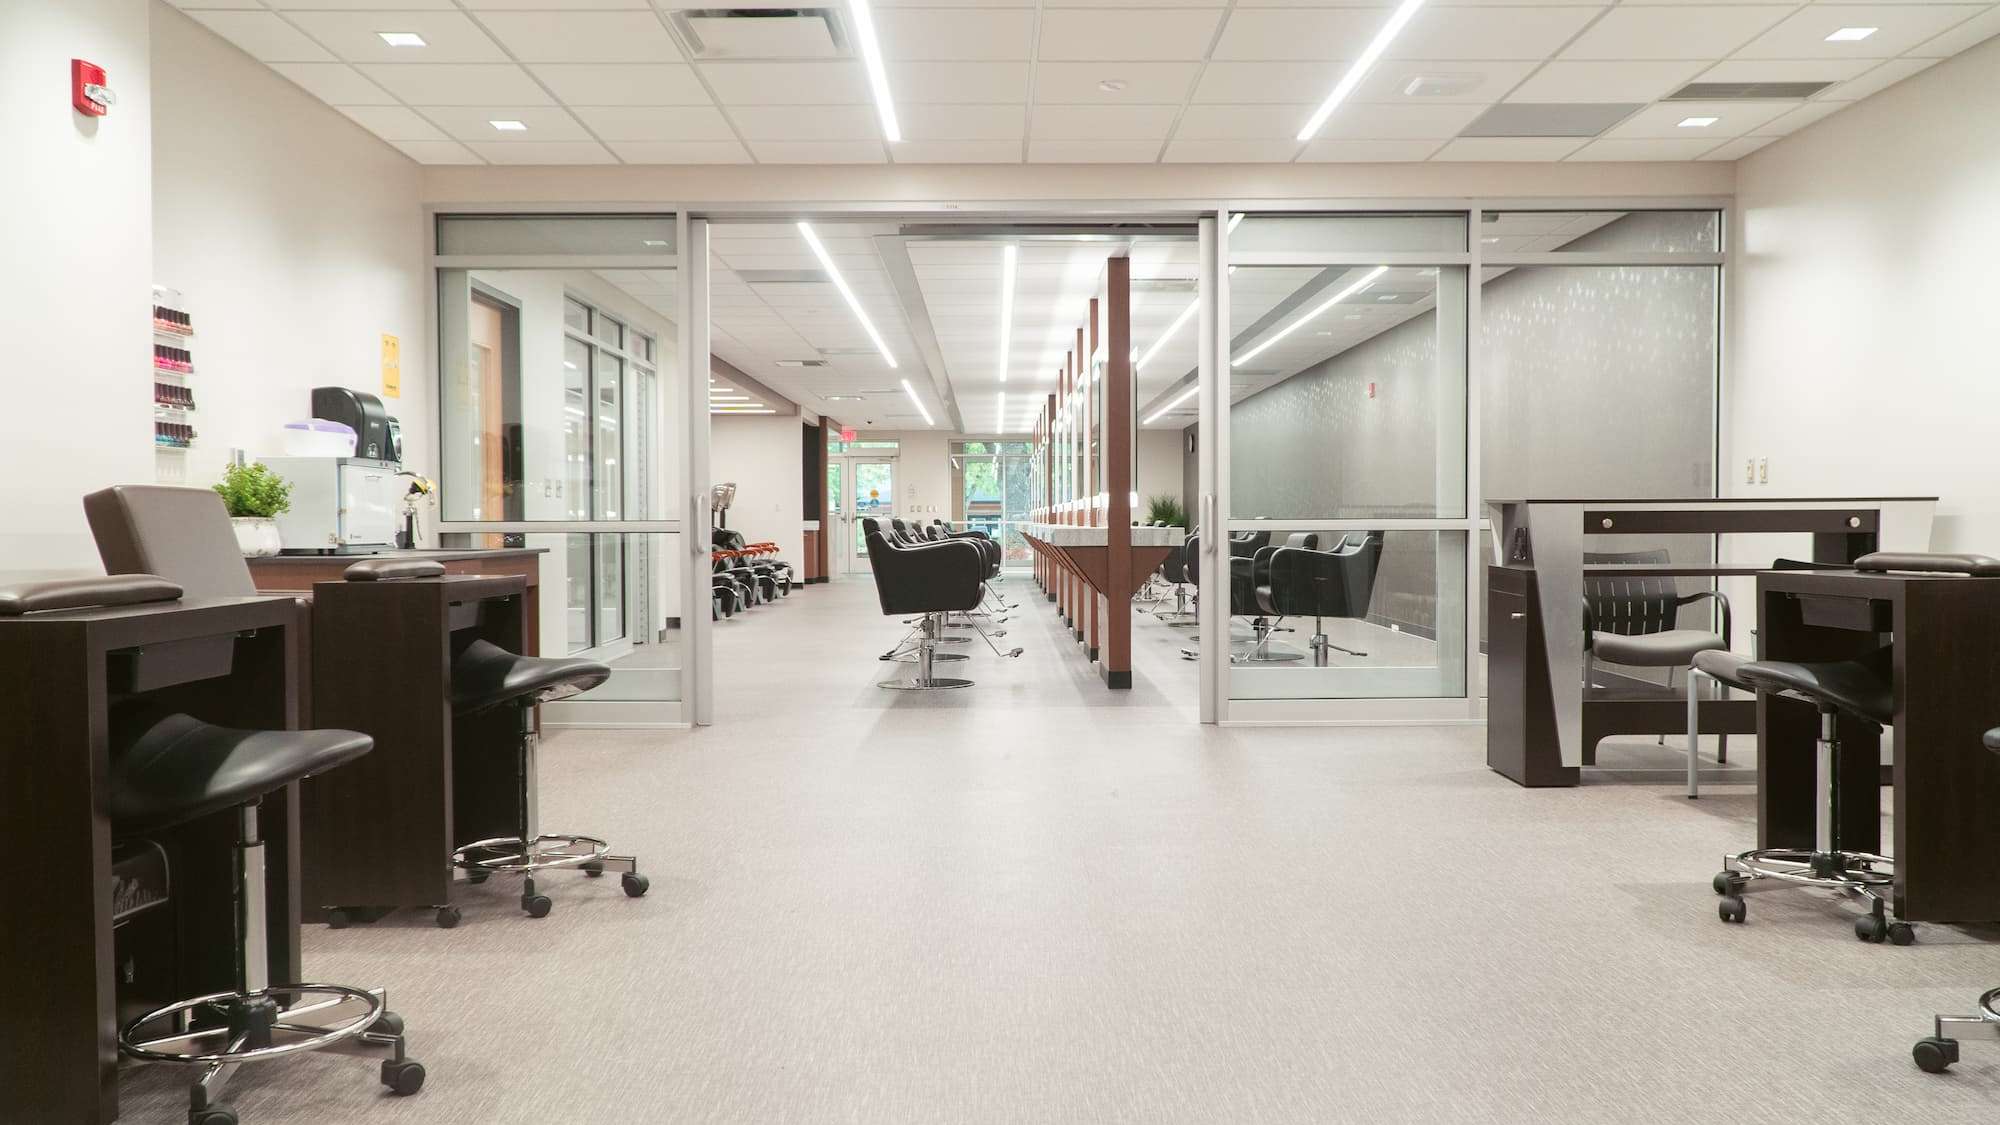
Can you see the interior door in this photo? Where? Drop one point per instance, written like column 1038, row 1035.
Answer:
column 836, row 526
column 871, row 493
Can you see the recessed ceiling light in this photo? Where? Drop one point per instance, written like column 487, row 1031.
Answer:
column 652, row 242
column 1698, row 122
column 402, row 39
column 509, row 126
column 1360, row 68
column 1489, row 241
column 853, row 302
column 1851, row 34
column 878, row 76
column 1111, row 85
column 1386, row 297
column 917, row 402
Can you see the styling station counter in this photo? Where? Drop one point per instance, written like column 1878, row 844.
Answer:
column 1111, row 567
column 1543, row 721
column 280, row 573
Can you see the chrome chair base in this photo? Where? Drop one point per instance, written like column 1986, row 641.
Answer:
column 508, row 855
column 925, row 683
column 1860, row 874
column 1935, row 1054
column 271, row 1024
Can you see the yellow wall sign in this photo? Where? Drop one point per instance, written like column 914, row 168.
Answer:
column 392, row 367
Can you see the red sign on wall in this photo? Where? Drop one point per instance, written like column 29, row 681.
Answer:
column 847, row 433
column 87, row 89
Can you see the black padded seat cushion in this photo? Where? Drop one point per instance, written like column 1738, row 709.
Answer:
column 1670, row 648
column 1854, row 686
column 485, row 675
column 1724, row 666
column 170, row 768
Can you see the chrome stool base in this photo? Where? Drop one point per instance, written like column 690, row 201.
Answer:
column 1934, row 1055
column 925, row 683
column 1863, row 875
column 508, row 855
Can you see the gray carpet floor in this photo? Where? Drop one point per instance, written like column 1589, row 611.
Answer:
column 1039, row 901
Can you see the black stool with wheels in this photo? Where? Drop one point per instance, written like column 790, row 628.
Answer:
column 169, row 768
column 1935, row 1053
column 1859, row 689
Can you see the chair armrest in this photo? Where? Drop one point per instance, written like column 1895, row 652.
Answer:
column 384, row 570
column 85, row 593
column 1721, row 599
column 1589, row 624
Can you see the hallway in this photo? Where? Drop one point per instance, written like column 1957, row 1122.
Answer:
column 955, row 907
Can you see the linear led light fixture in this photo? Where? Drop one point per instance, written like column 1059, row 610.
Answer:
column 1141, row 361
column 1851, row 34
column 1698, row 122
column 1169, row 408
column 509, row 125
column 840, row 283
column 878, row 76
column 1366, row 280
column 402, row 39
column 1360, row 68
column 917, row 402
column 1000, row 408
column 1006, row 308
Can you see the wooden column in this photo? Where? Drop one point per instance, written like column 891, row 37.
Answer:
column 1116, row 655
column 1093, row 480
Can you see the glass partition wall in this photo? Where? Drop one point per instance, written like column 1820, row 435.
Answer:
column 1372, row 379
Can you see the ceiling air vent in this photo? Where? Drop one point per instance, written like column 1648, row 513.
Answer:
column 781, row 277
column 1539, row 119
column 1165, row 284
column 1746, row 91
column 762, row 33
column 799, row 363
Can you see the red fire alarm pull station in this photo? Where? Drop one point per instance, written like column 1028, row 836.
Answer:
column 87, row 89
column 1371, row 390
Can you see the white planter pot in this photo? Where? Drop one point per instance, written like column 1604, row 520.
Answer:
column 256, row 538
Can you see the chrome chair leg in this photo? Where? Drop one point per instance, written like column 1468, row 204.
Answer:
column 1935, row 1054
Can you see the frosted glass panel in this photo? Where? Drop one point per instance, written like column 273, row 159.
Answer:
column 1649, row 232
column 1347, row 234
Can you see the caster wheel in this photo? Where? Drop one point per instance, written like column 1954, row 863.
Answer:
column 448, row 917
column 537, row 906
column 1727, row 883
column 1871, row 928
column 338, row 919
column 635, row 884
column 594, row 870
column 477, row 877
column 388, row 1023
column 1732, row 908
column 213, row 1115
column 1934, row 1055
column 1901, row 933
column 403, row 1076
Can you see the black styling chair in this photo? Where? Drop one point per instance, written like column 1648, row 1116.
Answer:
column 184, row 534
column 1246, row 577
column 1860, row 689
column 169, row 768
column 932, row 581
column 1174, row 571
column 995, row 606
column 1302, row 582
column 1936, row 1053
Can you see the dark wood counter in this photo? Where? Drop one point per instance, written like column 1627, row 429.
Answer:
column 302, row 572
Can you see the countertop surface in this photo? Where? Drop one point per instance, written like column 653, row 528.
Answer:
column 436, row 555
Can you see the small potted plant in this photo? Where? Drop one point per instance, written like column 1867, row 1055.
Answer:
column 1166, row 510
column 255, row 496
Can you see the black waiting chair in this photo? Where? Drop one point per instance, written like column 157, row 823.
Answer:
column 1635, row 621
column 1935, row 1053
column 168, row 768
column 930, row 581
column 1298, row 581
column 184, row 534
column 1862, row 690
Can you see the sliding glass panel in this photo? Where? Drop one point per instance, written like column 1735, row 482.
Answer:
column 621, row 608
column 1578, row 232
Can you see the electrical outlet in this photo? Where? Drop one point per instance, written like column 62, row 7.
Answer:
column 1750, row 471
column 1763, row 470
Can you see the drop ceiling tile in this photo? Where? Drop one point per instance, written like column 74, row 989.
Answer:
column 1485, row 81
column 1698, row 32
column 264, row 36
column 1508, row 148
column 1782, row 70
column 1799, row 118
column 458, row 83
column 1876, row 80
column 1272, row 83
column 1733, row 119
column 1325, row 151
column 547, row 5
column 1394, row 122
column 818, row 152
column 1140, row 83
column 1573, row 81
column 963, row 122
column 392, row 123
column 1901, row 27
column 807, row 123
column 1131, row 33
column 1103, row 122
column 1241, row 151
column 475, row 123
column 788, row 83
column 449, row 37
column 1738, row 148
column 656, row 123
column 622, row 83
column 1247, row 122
column 583, row 36
column 1965, row 36
column 336, row 5
column 437, row 152
column 943, row 35
column 335, row 83
column 973, row 83
column 190, row 5
column 1485, row 33
column 680, row 152
column 1627, row 148
column 957, row 152
column 544, row 152
column 1092, row 152
column 1318, row 34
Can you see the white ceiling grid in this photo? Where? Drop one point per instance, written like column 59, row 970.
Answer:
column 1087, row 81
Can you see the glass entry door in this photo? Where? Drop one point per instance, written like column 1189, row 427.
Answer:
column 872, row 494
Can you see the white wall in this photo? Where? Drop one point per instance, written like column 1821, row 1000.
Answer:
column 76, row 290
column 297, row 239
column 765, row 456
column 1159, row 467
column 1864, row 359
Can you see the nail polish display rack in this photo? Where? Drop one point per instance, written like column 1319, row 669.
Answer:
column 173, row 384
